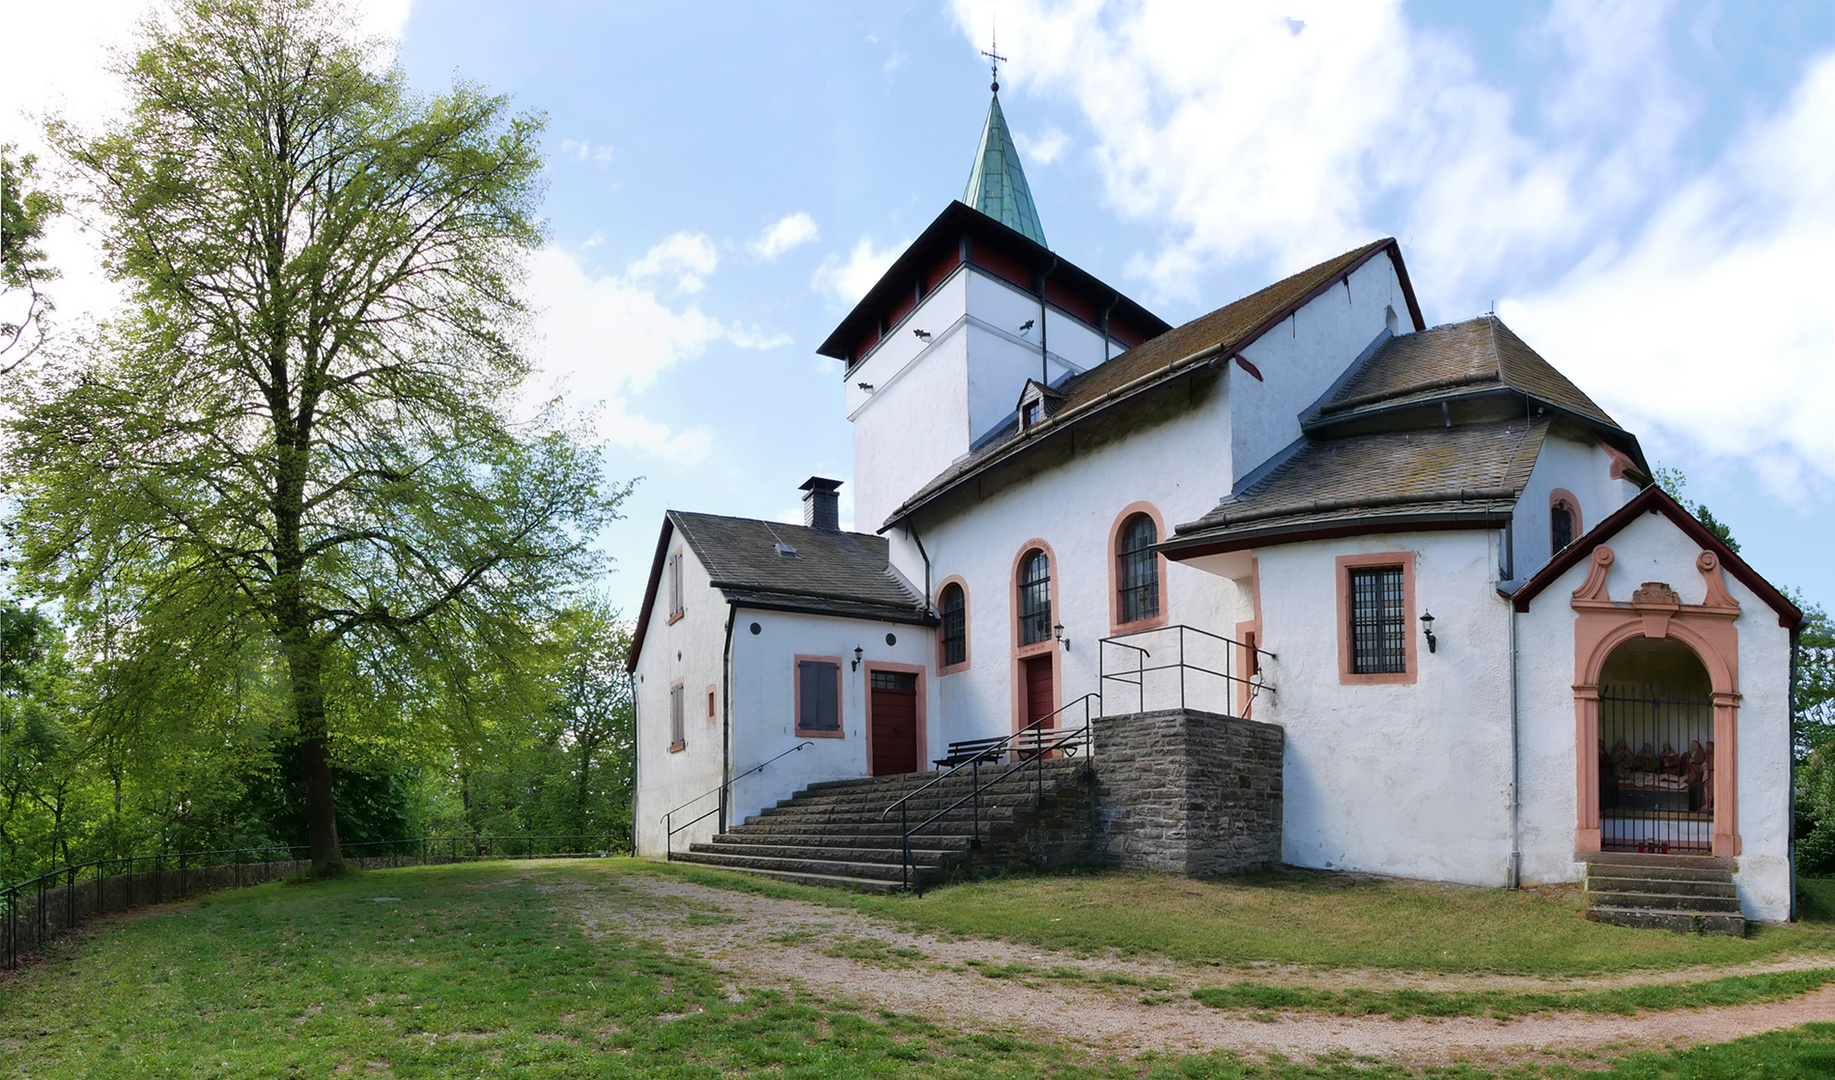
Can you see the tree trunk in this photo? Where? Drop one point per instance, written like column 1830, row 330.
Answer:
column 315, row 761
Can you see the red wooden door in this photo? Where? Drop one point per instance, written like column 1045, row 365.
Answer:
column 1040, row 701
column 894, row 706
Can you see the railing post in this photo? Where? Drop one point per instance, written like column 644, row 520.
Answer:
column 975, row 775
column 904, row 829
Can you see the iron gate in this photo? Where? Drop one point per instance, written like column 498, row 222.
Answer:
column 1656, row 769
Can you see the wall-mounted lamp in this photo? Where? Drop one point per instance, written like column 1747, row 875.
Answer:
column 1057, row 631
column 858, row 653
column 923, row 335
column 1025, row 326
column 867, row 386
column 1427, row 627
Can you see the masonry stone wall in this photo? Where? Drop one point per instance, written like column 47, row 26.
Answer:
column 1187, row 792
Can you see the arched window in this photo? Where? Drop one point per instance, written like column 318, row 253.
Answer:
column 953, row 603
column 1563, row 519
column 1138, row 570
column 1035, row 598
column 1560, row 527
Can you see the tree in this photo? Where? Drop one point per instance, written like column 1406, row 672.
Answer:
column 303, row 428
column 1673, row 482
column 594, row 712
column 25, row 207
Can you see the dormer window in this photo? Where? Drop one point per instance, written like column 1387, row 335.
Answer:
column 1036, row 402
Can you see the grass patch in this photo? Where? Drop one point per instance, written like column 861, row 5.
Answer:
column 872, row 951
column 1298, row 917
column 474, row 971
column 1508, row 1005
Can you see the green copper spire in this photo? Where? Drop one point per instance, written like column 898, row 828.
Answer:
column 997, row 187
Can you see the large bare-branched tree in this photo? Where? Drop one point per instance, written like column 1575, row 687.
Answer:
column 304, row 425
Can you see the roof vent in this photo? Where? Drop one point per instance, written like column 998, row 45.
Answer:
column 787, row 551
column 821, row 506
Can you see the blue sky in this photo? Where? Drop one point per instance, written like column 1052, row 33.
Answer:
column 1645, row 191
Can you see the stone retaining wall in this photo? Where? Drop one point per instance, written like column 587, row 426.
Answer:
column 1188, row 792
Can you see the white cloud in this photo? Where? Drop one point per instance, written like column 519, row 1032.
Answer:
column 1715, row 326
column 787, row 232
column 688, row 257
column 1043, row 150
column 849, row 277
column 577, row 150
column 605, row 337
column 1286, row 131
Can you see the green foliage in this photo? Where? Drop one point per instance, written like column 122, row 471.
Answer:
column 287, row 489
column 1673, row 482
column 25, row 207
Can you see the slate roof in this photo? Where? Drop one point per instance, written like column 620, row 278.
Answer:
column 1475, row 355
column 997, row 185
column 1372, row 481
column 830, row 570
column 1219, row 334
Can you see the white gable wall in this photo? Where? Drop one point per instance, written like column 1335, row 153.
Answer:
column 1073, row 509
column 1584, row 470
column 764, row 698
column 1653, row 549
column 1408, row 779
column 689, row 650
column 1302, row 357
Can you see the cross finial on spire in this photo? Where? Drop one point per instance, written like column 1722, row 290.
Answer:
column 992, row 52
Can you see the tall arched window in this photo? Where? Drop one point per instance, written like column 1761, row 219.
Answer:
column 1035, row 599
column 1138, row 570
column 953, row 603
column 1563, row 519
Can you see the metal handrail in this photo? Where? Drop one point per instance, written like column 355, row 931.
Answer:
column 203, row 859
column 1136, row 676
column 668, row 819
column 1038, row 751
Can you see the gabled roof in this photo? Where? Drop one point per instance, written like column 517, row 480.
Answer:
column 943, row 239
column 997, row 185
column 1471, row 356
column 835, row 573
column 1654, row 500
column 1466, row 476
column 1216, row 336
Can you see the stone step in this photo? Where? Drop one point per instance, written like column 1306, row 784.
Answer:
column 1658, row 873
column 882, row 871
column 1657, row 901
column 923, row 856
column 935, row 798
column 1643, row 859
column 1682, row 922
column 1598, row 882
column 897, row 786
column 873, row 841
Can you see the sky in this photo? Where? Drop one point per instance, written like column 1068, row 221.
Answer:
column 1644, row 191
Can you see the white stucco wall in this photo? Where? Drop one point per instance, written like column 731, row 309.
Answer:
column 764, row 697
column 1575, row 462
column 689, row 650
column 931, row 400
column 1409, row 779
column 1073, row 509
column 1303, row 356
column 1653, row 549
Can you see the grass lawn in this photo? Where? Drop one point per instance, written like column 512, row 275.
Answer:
column 473, row 970
column 1296, row 917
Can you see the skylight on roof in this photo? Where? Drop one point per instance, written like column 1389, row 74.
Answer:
column 787, row 551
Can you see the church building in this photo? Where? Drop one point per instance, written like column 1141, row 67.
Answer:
column 1489, row 649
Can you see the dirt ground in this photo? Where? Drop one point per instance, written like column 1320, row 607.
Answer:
column 1127, row 1006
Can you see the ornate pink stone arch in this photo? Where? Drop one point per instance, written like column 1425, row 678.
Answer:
column 1656, row 613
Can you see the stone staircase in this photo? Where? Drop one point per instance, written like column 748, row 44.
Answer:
column 832, row 833
column 1684, row 893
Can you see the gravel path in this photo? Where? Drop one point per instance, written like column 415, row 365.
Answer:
column 1126, row 1006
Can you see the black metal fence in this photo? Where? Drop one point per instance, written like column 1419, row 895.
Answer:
column 1182, row 667
column 1656, row 769
column 35, row 911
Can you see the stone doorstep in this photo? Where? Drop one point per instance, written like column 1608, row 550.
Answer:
column 1661, row 901
column 1681, row 922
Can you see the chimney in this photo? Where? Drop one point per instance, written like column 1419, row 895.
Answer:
column 821, row 506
